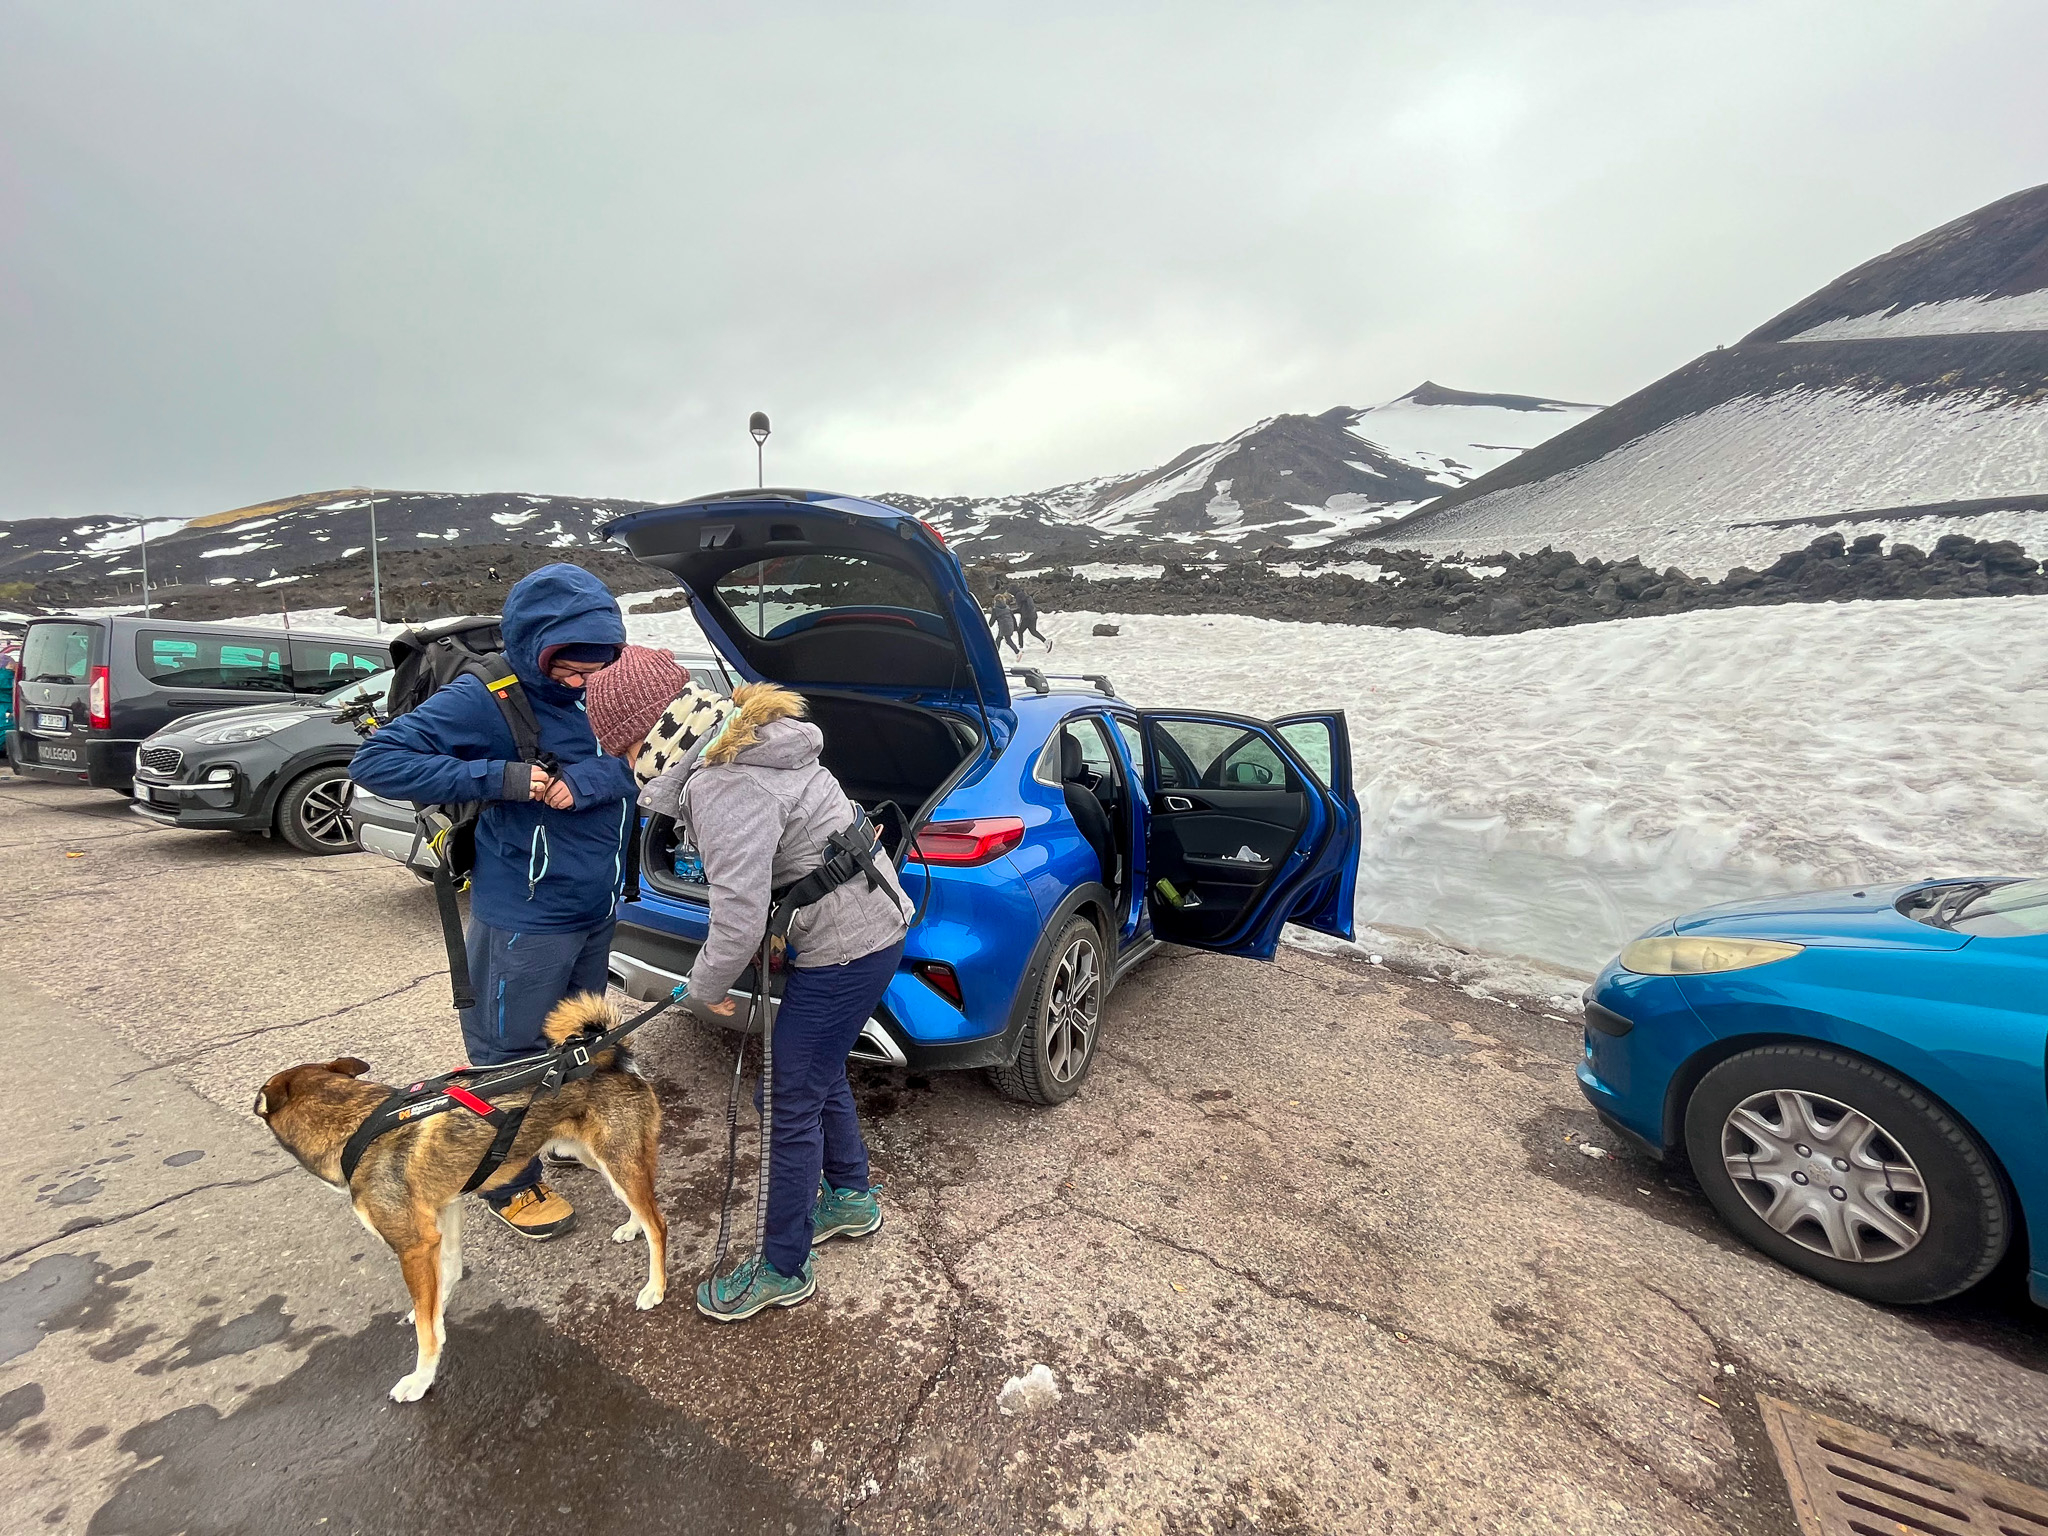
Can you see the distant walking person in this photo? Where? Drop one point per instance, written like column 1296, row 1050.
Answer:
column 1027, row 618
column 1003, row 614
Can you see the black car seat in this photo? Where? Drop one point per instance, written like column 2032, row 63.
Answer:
column 1077, row 783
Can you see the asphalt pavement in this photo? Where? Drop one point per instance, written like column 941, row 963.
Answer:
column 1319, row 1248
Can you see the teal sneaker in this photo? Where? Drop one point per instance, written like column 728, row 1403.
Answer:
column 845, row 1213
column 751, row 1287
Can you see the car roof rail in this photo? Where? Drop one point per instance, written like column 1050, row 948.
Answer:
column 1032, row 676
column 1102, row 684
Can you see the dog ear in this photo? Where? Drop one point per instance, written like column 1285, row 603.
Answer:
column 348, row 1066
column 271, row 1096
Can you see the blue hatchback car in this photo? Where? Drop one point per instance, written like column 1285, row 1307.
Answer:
column 1858, row 1078
column 1056, row 833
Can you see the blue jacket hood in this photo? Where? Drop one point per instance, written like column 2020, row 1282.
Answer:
column 557, row 605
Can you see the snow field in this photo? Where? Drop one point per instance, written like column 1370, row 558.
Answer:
column 1547, row 796
column 1673, row 495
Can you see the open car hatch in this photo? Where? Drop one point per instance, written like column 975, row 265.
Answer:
column 810, row 589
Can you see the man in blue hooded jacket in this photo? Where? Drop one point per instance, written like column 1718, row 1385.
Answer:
column 550, row 847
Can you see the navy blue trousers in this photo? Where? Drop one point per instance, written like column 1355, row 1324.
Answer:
column 519, row 977
column 816, row 1130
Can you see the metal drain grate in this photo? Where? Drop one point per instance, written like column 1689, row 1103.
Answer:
column 1848, row 1482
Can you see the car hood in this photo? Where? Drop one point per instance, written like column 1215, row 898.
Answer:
column 902, row 651
column 1851, row 917
column 297, row 711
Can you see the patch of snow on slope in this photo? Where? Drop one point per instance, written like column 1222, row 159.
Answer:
column 232, row 549
column 1672, row 495
column 130, row 535
column 514, row 519
column 1455, row 444
column 1549, row 795
column 1192, row 476
column 1944, row 317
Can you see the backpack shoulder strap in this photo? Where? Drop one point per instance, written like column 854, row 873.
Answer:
column 499, row 681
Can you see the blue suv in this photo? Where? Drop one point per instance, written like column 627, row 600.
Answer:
column 1057, row 835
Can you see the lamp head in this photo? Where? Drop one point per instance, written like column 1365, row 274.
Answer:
column 757, row 425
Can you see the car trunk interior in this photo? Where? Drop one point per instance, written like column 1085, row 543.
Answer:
column 878, row 749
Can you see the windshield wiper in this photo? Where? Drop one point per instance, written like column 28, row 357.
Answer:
column 1955, row 898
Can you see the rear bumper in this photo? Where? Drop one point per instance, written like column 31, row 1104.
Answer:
column 100, row 762
column 647, row 963
column 647, row 982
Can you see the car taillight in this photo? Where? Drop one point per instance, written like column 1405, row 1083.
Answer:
column 964, row 843
column 940, row 977
column 96, row 700
column 928, row 528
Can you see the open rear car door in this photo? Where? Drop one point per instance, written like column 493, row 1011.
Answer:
column 1253, row 824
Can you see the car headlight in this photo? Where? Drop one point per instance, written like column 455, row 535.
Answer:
column 1690, row 955
column 243, row 730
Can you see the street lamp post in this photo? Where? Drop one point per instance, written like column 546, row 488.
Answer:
column 142, row 528
column 376, row 583
column 757, row 428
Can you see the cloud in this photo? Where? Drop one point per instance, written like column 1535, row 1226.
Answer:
column 249, row 250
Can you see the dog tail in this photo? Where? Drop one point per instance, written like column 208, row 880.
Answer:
column 587, row 1012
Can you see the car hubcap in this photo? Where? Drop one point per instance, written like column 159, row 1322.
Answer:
column 1825, row 1175
column 323, row 813
column 1072, row 1005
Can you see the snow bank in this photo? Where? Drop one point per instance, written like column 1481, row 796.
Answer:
column 1549, row 795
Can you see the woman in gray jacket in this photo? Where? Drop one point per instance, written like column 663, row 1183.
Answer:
column 742, row 779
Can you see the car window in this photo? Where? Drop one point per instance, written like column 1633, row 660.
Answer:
column 2010, row 911
column 57, row 653
column 1217, row 756
column 320, row 666
column 1134, row 743
column 775, row 597
column 1096, row 753
column 1312, row 742
column 197, row 660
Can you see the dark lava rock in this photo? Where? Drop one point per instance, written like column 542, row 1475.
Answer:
column 1551, row 587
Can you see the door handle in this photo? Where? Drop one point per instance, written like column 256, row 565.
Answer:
column 1179, row 803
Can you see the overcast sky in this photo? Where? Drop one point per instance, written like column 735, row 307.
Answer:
column 252, row 250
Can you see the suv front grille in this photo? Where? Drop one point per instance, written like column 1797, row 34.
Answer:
column 163, row 760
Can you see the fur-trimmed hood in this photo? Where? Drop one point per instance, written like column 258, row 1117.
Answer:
column 757, row 706
column 763, row 728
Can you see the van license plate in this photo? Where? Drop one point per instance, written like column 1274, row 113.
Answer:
column 47, row 752
column 47, row 721
column 142, row 793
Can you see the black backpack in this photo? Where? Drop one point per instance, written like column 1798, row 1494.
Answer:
column 424, row 661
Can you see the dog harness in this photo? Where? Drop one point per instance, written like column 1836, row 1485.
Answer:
column 470, row 1088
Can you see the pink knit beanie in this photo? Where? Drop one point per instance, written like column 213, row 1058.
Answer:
column 627, row 697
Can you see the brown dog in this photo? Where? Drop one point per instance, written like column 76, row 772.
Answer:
column 408, row 1187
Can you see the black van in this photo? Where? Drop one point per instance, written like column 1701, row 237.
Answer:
column 89, row 690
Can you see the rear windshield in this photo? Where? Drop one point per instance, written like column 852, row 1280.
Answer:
column 250, row 664
column 57, row 653
column 2007, row 912
column 774, row 598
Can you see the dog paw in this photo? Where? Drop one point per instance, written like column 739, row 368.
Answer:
column 650, row 1297
column 626, row 1233
column 410, row 1389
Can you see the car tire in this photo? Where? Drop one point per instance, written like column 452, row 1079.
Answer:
column 311, row 813
column 1064, row 1027
column 1746, row 1124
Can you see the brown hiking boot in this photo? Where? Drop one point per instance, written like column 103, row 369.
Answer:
column 537, row 1213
